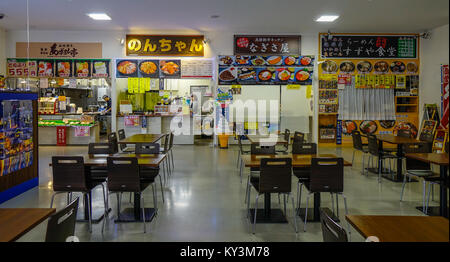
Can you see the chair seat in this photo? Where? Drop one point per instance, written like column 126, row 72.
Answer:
column 254, row 177
column 420, row 173
column 386, row 155
column 91, row 184
column 390, row 150
column 302, row 173
column 255, row 184
column 148, row 173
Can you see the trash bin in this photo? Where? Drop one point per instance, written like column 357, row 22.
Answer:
column 223, row 141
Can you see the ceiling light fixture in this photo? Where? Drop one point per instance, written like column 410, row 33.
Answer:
column 99, row 16
column 327, row 18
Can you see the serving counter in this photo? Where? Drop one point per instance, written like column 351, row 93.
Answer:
column 158, row 124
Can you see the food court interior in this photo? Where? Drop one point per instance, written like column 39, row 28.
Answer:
column 322, row 114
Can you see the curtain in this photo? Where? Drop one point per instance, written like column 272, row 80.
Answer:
column 366, row 104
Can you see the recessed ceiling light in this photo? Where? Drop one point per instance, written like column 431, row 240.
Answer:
column 99, row 16
column 215, row 16
column 327, row 18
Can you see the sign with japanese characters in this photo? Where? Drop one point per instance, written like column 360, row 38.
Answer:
column 444, row 97
column 368, row 46
column 267, row 44
column 58, row 50
column 164, row 45
column 21, row 68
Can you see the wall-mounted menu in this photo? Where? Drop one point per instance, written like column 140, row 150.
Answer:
column 368, row 46
column 196, row 68
column 265, row 70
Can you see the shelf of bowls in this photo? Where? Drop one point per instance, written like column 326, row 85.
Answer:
column 154, row 95
column 245, row 77
column 71, row 95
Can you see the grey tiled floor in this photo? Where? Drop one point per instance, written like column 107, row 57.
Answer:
column 205, row 201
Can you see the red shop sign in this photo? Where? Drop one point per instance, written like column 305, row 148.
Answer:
column 61, row 135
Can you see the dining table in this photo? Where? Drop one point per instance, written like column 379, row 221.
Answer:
column 128, row 214
column 399, row 142
column 265, row 140
column 440, row 159
column 401, row 228
column 141, row 138
column 270, row 215
column 16, row 222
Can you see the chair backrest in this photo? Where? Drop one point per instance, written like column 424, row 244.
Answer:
column 413, row 164
column 256, row 149
column 147, row 148
column 406, row 133
column 331, row 231
column 112, row 138
column 373, row 145
column 68, row 174
column 166, row 142
column 100, row 149
column 171, row 140
column 121, row 135
column 287, row 135
column 123, row 174
column 327, row 175
column 299, row 137
column 275, row 176
column 357, row 141
column 61, row 225
column 304, row 148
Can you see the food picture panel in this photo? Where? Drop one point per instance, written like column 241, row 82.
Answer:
column 170, row 68
column 127, row 68
column 45, row 68
column 63, row 68
column 228, row 75
column 100, row 68
column 148, row 68
column 82, row 68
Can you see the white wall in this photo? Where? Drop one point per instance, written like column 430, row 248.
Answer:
column 433, row 53
column 2, row 52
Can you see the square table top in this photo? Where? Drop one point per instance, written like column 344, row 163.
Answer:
column 15, row 222
column 266, row 140
column 148, row 160
column 402, row 228
column 297, row 160
column 435, row 158
column 389, row 138
column 141, row 138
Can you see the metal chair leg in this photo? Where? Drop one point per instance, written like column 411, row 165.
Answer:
column 53, row 198
column 284, row 201
column 306, row 212
column 248, row 184
column 162, row 188
column 118, row 205
column 337, row 206
column 238, row 158
column 256, row 209
column 155, row 199
column 143, row 212
column 248, row 202
column 353, row 156
column 363, row 157
column 432, row 191
column 428, row 197
column 105, row 216
column 300, row 196
column 423, row 197
column 332, row 202
column 89, row 211
column 294, row 213
column 346, row 213
column 403, row 187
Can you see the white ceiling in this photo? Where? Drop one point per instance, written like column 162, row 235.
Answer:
column 240, row 16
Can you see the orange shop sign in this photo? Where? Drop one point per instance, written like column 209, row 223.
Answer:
column 164, row 45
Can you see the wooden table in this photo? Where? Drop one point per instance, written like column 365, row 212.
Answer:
column 129, row 214
column 268, row 215
column 441, row 160
column 267, row 140
column 401, row 228
column 399, row 141
column 15, row 222
column 141, row 138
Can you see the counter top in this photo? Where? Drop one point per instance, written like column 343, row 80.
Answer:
column 153, row 115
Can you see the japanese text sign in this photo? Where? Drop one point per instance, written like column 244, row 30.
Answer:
column 164, row 45
column 267, row 44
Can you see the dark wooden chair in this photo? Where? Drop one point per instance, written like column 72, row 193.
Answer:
column 299, row 137
column 327, row 176
column 374, row 151
column 359, row 146
column 124, row 176
column 331, row 231
column 418, row 169
column 165, row 150
column 256, row 149
column 61, row 225
column 112, row 138
column 287, row 137
column 275, row 177
column 241, row 152
column 170, row 152
column 149, row 173
column 123, row 147
column 302, row 173
column 69, row 176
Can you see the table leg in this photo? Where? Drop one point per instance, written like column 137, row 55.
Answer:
column 135, row 214
column 443, row 192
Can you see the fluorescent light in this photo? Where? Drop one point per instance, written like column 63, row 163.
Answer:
column 327, row 18
column 99, row 16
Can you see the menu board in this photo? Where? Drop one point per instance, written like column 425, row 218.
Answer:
column 82, row 68
column 148, row 68
column 46, row 68
column 63, row 68
column 196, row 68
column 100, row 68
column 267, row 44
column 21, row 68
column 265, row 70
column 170, row 68
column 368, row 46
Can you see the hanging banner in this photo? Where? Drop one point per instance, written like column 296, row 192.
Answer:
column 81, row 131
column 267, row 44
column 444, row 97
column 165, row 45
column 60, row 135
column 21, row 67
